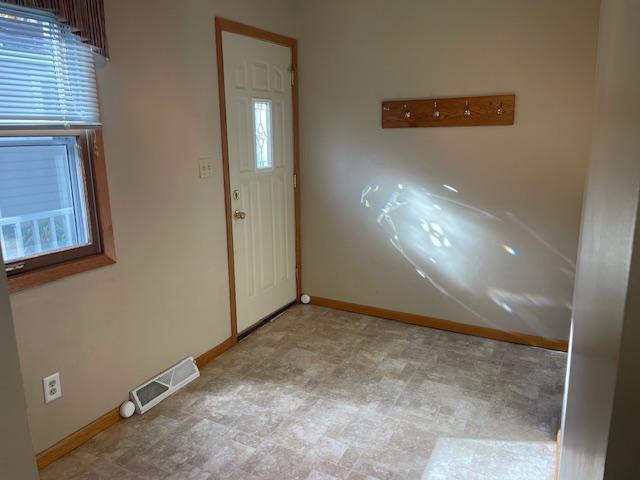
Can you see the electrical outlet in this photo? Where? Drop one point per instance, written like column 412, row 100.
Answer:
column 205, row 166
column 52, row 387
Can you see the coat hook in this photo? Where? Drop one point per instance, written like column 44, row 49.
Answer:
column 500, row 110
column 436, row 112
column 467, row 110
column 407, row 113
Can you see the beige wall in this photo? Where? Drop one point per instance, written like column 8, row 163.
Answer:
column 602, row 419
column 167, row 297
column 518, row 186
column 108, row 330
column 16, row 450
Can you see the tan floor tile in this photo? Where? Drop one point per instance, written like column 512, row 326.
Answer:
column 321, row 394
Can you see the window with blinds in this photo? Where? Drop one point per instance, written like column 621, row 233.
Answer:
column 51, row 154
column 47, row 74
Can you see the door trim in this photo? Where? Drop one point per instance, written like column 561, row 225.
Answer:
column 225, row 25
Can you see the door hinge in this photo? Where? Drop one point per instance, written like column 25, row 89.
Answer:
column 293, row 76
column 295, row 181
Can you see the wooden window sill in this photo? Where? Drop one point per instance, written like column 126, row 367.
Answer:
column 51, row 273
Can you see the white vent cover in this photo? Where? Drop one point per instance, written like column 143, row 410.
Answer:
column 157, row 389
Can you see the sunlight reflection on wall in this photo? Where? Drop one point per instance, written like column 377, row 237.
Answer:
column 491, row 264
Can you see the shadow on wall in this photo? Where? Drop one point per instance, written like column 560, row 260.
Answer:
column 491, row 264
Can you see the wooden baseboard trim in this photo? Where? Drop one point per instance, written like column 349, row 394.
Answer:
column 112, row 417
column 485, row 332
column 216, row 351
column 77, row 438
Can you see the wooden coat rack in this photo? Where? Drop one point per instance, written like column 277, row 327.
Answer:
column 449, row 112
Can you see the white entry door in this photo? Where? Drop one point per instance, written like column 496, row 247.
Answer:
column 259, row 111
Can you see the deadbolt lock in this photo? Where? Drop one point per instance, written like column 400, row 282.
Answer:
column 236, row 194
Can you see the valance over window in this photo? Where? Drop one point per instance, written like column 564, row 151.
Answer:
column 86, row 17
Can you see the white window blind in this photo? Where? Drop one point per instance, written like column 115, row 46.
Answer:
column 47, row 74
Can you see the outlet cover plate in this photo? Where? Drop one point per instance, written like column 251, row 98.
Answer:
column 52, row 387
column 205, row 167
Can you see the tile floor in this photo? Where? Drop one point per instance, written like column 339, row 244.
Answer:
column 322, row 394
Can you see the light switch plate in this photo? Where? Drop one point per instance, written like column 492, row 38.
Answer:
column 52, row 387
column 205, row 167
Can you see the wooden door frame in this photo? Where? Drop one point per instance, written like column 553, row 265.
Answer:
column 225, row 25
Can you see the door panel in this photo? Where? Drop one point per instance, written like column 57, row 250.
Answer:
column 260, row 139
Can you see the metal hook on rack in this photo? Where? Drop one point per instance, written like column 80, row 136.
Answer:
column 436, row 112
column 407, row 113
column 467, row 110
column 500, row 110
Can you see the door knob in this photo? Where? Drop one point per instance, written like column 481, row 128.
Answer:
column 239, row 214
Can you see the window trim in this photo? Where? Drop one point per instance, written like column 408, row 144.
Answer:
column 96, row 180
column 82, row 141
